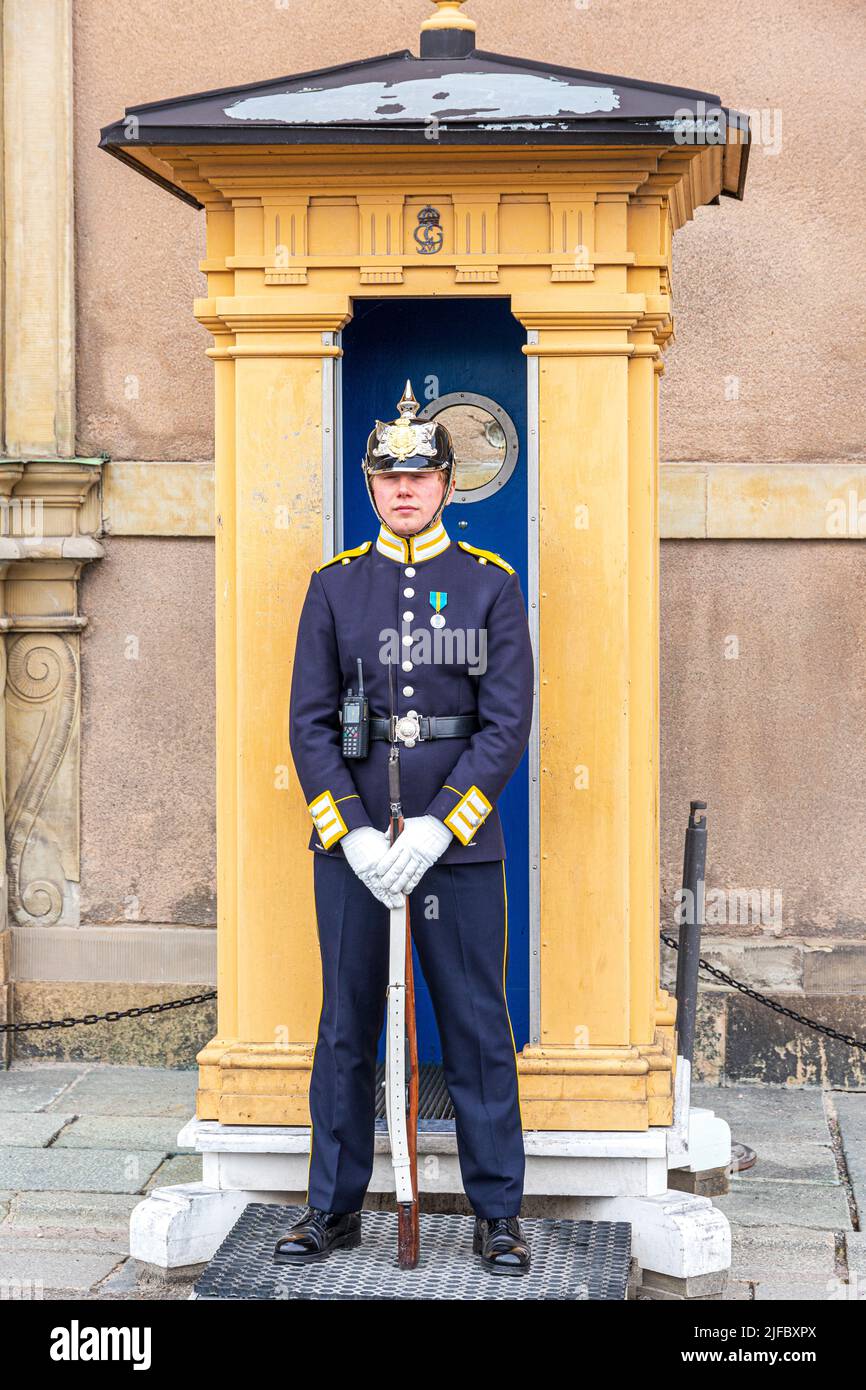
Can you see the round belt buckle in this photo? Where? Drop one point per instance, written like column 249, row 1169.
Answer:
column 408, row 729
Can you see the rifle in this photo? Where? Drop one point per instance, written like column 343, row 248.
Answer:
column 400, row 1027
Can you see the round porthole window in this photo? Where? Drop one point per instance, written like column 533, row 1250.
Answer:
column 485, row 442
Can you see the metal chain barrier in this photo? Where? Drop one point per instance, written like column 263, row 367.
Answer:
column 770, row 1003
column 111, row 1017
column 114, row 1014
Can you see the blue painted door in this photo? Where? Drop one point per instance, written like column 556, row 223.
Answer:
column 447, row 345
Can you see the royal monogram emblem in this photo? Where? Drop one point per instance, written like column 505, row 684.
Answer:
column 428, row 233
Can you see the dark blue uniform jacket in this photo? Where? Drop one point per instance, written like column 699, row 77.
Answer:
column 365, row 603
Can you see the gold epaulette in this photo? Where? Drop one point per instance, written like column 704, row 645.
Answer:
column 345, row 556
column 485, row 555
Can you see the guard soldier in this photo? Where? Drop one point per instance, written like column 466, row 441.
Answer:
column 452, row 619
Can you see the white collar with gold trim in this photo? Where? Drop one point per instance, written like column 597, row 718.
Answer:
column 405, row 548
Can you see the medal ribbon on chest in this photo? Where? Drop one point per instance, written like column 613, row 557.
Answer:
column 438, row 600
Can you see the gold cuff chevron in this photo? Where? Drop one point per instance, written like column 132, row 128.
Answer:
column 471, row 811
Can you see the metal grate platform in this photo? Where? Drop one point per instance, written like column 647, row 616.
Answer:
column 570, row 1260
column 434, row 1102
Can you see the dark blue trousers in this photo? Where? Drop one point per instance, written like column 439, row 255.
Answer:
column 459, row 926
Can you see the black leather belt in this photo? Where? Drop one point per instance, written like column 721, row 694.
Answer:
column 420, row 727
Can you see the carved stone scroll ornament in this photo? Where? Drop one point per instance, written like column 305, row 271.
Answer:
column 42, row 681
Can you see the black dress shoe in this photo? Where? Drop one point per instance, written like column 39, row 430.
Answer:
column 501, row 1244
column 315, row 1234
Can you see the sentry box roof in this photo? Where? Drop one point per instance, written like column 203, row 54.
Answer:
column 471, row 97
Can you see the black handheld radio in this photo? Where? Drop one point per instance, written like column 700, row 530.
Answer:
column 355, row 719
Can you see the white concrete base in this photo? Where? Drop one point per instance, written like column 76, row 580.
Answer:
column 617, row 1176
column 678, row 1134
column 184, row 1225
column 709, row 1144
column 698, row 1139
column 673, row 1233
column 276, row 1158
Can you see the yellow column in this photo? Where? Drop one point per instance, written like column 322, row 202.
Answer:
column 37, row 287
column 270, row 408
column 600, row 1062
column 651, row 1009
column 220, row 246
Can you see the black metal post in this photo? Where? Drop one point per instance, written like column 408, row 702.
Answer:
column 690, row 918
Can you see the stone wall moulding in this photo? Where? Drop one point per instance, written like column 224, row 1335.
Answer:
column 49, row 521
column 711, row 500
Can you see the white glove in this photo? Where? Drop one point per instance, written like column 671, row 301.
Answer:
column 420, row 843
column 364, row 848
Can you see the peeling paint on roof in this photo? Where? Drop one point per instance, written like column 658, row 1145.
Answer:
column 449, row 96
column 523, row 125
column 689, row 123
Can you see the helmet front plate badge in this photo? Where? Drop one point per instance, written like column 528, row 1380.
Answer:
column 403, row 440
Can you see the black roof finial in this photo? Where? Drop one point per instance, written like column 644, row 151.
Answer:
column 448, row 33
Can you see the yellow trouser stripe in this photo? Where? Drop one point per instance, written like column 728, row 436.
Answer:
column 507, row 1014
column 315, row 1045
